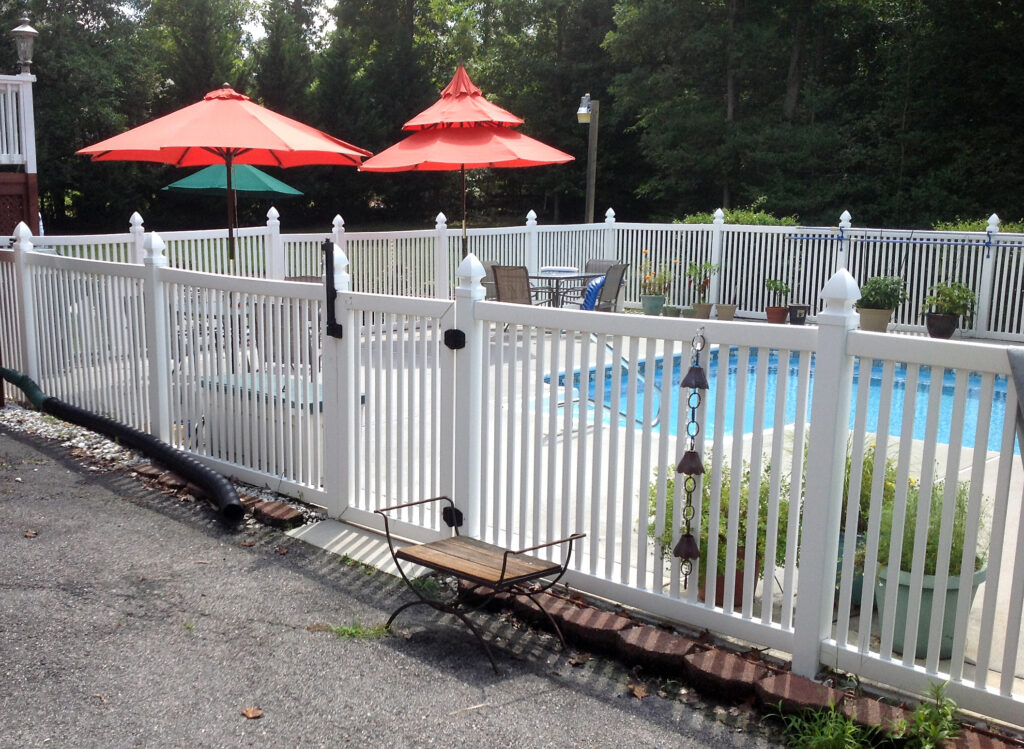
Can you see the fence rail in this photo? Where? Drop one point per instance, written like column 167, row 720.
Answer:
column 548, row 421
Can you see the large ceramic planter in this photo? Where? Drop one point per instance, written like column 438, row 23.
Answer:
column 857, row 582
column 652, row 303
column 725, row 311
column 737, row 586
column 875, row 320
column 941, row 325
column 702, row 310
column 798, row 313
column 924, row 618
column 777, row 315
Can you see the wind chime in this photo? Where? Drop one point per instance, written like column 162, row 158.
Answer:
column 691, row 465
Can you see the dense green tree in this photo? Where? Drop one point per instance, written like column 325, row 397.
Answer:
column 197, row 45
column 806, row 107
column 94, row 79
column 283, row 68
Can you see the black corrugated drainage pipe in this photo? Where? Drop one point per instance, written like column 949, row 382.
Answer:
column 217, row 487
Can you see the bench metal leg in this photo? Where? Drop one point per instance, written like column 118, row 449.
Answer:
column 453, row 610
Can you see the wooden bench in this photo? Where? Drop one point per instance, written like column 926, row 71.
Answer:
column 486, row 569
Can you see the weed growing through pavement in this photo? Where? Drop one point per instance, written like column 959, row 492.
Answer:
column 357, row 631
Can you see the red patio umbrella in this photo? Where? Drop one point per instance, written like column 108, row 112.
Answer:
column 227, row 127
column 463, row 131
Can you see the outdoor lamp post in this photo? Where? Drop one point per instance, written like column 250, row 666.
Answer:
column 24, row 39
column 588, row 114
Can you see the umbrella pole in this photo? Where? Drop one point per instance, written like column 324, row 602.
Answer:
column 231, row 209
column 465, row 239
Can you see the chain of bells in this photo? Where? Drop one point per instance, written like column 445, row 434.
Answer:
column 691, row 465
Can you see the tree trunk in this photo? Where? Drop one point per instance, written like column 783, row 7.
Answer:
column 794, row 78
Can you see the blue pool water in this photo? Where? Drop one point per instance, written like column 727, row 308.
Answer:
column 664, row 404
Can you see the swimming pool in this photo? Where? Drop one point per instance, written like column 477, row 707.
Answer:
column 664, row 404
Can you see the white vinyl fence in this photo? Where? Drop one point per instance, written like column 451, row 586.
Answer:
column 539, row 422
column 421, row 263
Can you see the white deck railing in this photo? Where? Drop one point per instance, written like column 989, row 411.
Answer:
column 546, row 421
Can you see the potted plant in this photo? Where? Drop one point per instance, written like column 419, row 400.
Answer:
column 698, row 278
column 654, row 284
column 779, row 292
column 945, row 304
column 879, row 297
column 897, row 571
column 667, row 538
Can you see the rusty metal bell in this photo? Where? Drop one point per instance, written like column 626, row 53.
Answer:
column 686, row 548
column 690, row 464
column 695, row 378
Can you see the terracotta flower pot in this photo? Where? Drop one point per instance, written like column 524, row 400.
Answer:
column 777, row 315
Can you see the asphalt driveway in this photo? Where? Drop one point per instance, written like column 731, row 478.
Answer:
column 130, row 618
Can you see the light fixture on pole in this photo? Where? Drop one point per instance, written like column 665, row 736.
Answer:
column 587, row 114
column 24, row 39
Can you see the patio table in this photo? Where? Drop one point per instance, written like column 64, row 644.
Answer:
column 561, row 280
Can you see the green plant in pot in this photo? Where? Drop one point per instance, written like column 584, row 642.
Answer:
column 669, row 534
column 898, row 571
column 945, row 304
column 655, row 281
column 698, row 278
column 779, row 292
column 879, row 297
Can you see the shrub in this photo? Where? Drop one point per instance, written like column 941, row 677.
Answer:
column 752, row 215
column 669, row 535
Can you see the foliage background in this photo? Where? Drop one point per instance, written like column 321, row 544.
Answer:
column 905, row 112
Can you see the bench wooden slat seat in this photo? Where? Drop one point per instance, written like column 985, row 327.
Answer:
column 488, row 569
column 477, row 561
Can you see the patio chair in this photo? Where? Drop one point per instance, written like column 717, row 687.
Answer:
column 579, row 293
column 598, row 265
column 611, row 289
column 512, row 284
column 602, row 293
column 488, row 279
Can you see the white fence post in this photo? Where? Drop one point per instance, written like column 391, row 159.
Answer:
column 610, row 249
column 532, row 259
column 845, row 248
column 156, row 338
column 138, row 235
column 277, row 263
column 341, row 394
column 717, row 234
column 338, row 234
column 985, row 284
column 826, row 459
column 468, row 388
column 442, row 270
column 29, row 363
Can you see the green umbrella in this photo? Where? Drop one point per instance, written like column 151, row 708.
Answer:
column 244, row 178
